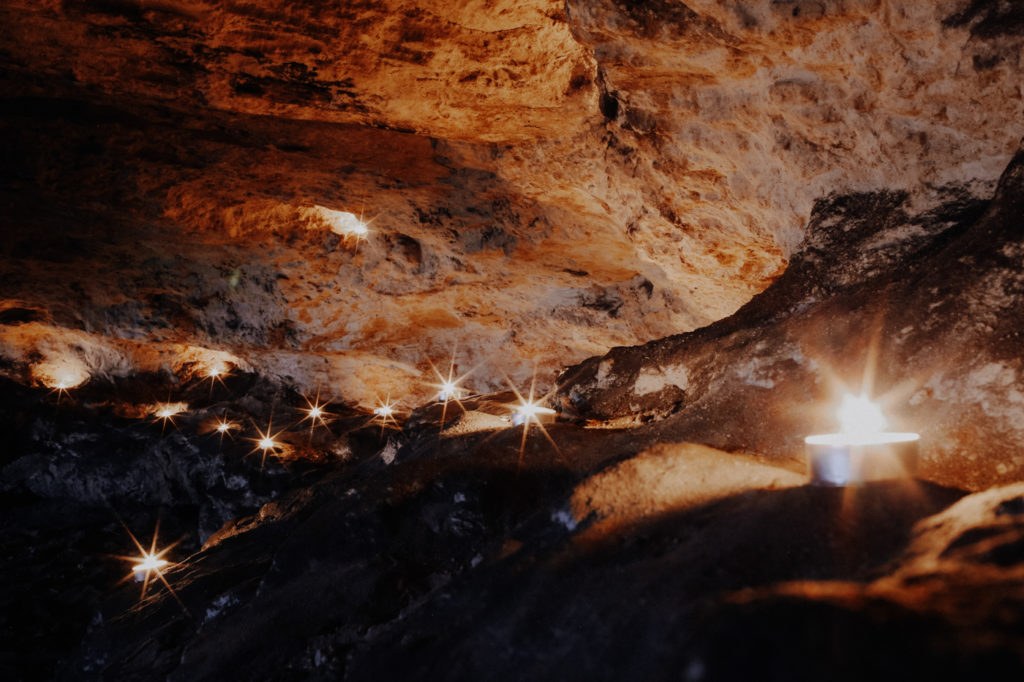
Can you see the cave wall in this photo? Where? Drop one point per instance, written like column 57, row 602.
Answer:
column 919, row 310
column 545, row 180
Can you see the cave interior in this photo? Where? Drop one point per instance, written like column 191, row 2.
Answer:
column 409, row 339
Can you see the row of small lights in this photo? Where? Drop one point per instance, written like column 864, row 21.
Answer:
column 151, row 563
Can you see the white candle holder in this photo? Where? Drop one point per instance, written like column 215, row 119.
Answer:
column 839, row 459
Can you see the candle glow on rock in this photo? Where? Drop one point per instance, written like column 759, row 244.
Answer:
column 315, row 412
column 862, row 450
column 266, row 442
column 166, row 412
column 859, row 416
column 150, row 563
column 528, row 410
column 348, row 225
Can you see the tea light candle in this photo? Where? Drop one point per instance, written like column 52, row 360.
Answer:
column 149, row 564
column 529, row 411
column 862, row 450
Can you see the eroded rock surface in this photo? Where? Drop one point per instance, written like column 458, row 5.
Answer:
column 539, row 181
column 924, row 306
column 545, row 180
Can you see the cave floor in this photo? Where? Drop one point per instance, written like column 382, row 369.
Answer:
column 366, row 551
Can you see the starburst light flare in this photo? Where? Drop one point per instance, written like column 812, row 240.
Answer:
column 449, row 388
column 166, row 412
column 351, row 227
column 315, row 412
column 266, row 442
column 385, row 413
column 528, row 411
column 223, row 426
column 150, row 564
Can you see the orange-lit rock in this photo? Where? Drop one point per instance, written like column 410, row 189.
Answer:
column 545, row 182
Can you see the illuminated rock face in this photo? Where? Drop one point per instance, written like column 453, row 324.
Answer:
column 545, row 180
column 921, row 308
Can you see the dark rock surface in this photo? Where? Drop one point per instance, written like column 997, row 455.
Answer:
column 471, row 552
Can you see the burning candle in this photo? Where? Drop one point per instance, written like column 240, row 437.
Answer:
column 449, row 391
column 150, row 563
column 862, row 450
column 530, row 411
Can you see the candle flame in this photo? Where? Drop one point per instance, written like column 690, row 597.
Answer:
column 149, row 563
column 531, row 410
column 858, row 415
column 385, row 413
column 315, row 412
column 267, row 443
column 527, row 411
column 166, row 412
column 350, row 226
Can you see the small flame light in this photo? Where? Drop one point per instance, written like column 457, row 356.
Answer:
column 166, row 412
column 150, row 564
column 384, row 413
column 530, row 411
column 862, row 450
column 348, row 225
column 449, row 391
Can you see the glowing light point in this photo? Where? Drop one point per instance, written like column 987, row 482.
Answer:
column 223, row 427
column 529, row 411
column 315, row 412
column 449, row 391
column 862, row 450
column 150, row 563
column 166, row 412
column 266, row 442
column 858, row 415
column 385, row 412
column 349, row 226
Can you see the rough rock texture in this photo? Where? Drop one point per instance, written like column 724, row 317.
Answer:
column 546, row 180
column 922, row 309
column 461, row 558
column 540, row 181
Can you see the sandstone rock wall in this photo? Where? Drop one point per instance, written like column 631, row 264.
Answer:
column 545, row 181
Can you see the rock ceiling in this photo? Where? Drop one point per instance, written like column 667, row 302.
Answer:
column 545, row 180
